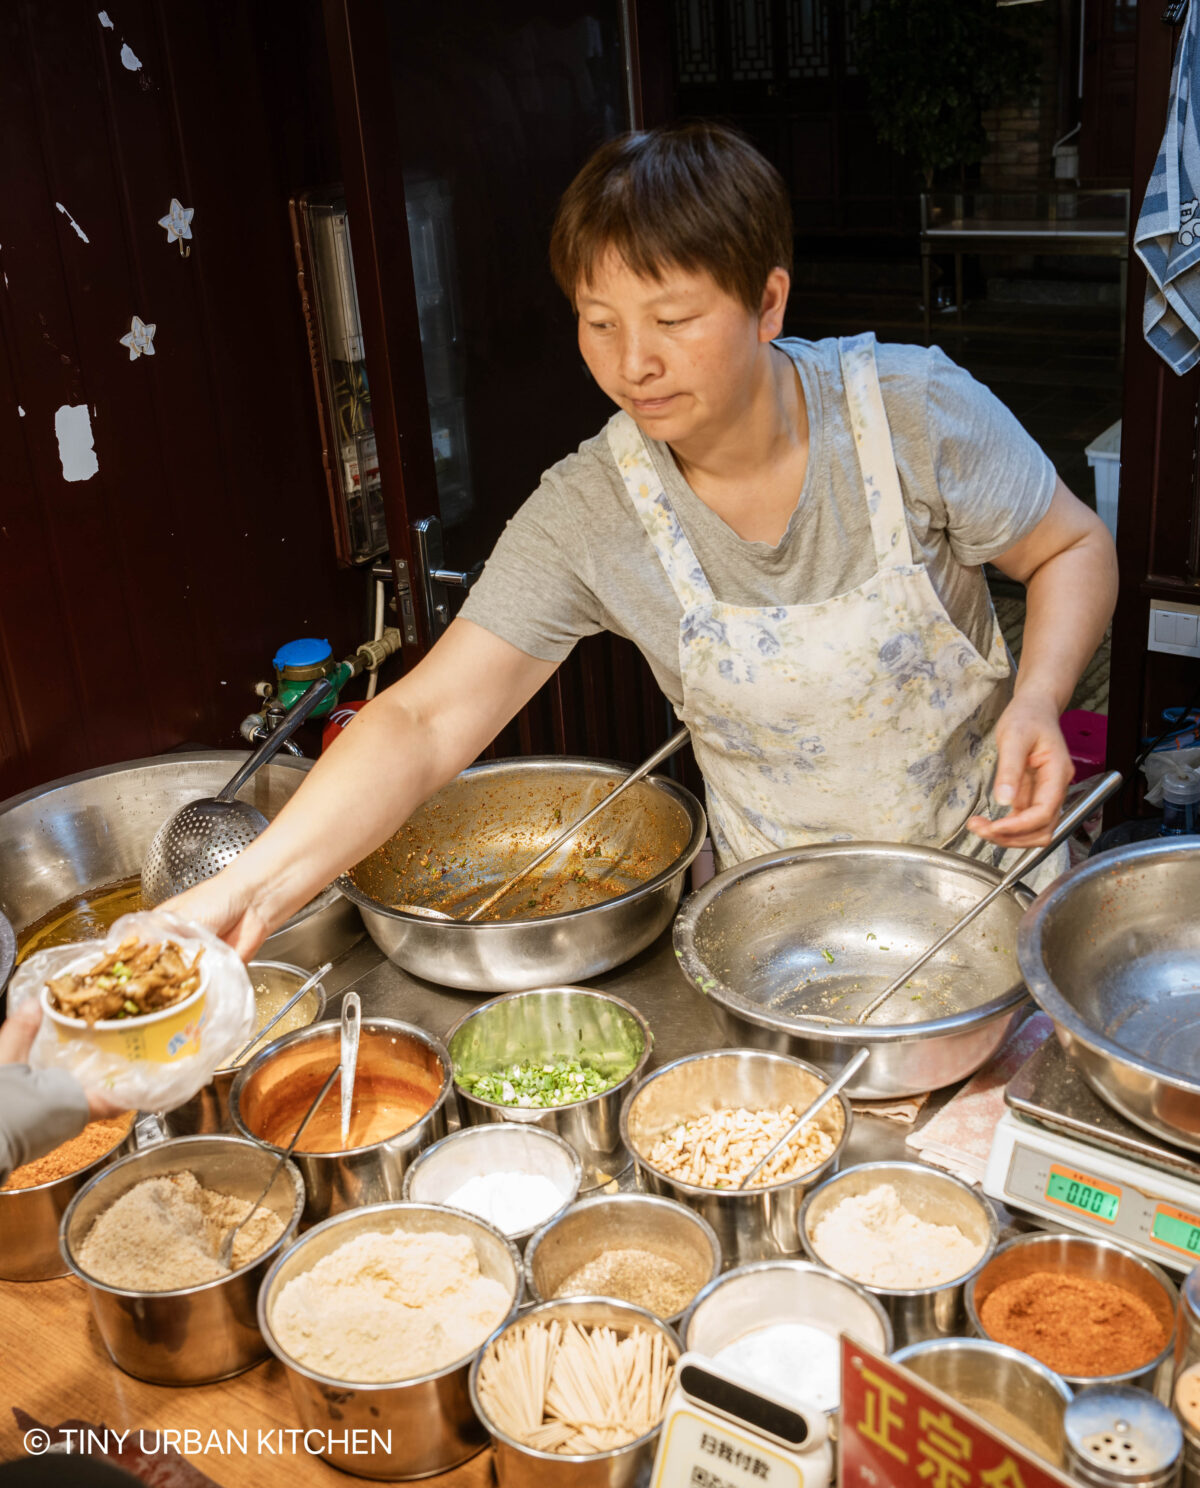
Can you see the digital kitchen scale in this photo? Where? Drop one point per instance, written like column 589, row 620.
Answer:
column 1061, row 1153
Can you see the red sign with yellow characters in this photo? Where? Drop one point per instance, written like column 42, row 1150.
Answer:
column 899, row 1432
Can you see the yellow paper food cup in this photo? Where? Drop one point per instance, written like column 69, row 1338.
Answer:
column 162, row 1038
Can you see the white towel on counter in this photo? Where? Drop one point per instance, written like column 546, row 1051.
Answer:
column 1167, row 236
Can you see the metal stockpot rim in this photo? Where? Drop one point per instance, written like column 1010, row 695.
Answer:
column 698, row 1190
column 635, row 1315
column 486, row 1133
column 170, row 1144
column 1042, row 1238
column 318, row 989
column 925, row 1171
column 329, row 1029
column 796, row 1267
column 989, row 1345
column 680, row 794
column 356, row 1216
column 1031, row 951
column 595, row 1201
column 593, row 992
column 700, row 976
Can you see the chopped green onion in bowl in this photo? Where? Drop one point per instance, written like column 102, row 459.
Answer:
column 533, row 1084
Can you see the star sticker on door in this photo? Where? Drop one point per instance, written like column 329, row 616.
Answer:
column 177, row 221
column 140, row 339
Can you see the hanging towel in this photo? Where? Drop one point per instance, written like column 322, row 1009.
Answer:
column 1167, row 237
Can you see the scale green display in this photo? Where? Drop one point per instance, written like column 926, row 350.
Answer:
column 1153, row 1210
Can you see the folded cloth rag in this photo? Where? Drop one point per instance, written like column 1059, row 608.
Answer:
column 1167, row 236
column 959, row 1137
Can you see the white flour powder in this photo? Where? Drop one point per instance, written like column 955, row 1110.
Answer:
column 873, row 1238
column 389, row 1307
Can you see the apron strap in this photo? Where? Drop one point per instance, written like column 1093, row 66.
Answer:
column 644, row 487
column 876, row 457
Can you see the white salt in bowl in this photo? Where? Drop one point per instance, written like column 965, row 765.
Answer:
column 479, row 1151
column 424, row 1424
column 764, row 1293
column 916, row 1313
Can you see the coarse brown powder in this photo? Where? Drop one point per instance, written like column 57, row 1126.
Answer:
column 166, row 1233
column 97, row 1138
column 654, row 1282
column 1074, row 1324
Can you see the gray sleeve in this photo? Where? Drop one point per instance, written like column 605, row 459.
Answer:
column 39, row 1110
column 994, row 481
column 533, row 591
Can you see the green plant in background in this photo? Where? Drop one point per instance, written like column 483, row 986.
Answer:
column 934, row 66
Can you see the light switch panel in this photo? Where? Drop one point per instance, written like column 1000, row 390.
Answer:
column 1174, row 628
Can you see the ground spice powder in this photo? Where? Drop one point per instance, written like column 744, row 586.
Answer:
column 1074, row 1324
column 97, row 1138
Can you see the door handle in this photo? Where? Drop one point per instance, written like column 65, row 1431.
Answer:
column 434, row 577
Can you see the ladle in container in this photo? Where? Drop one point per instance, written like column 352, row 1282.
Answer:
column 351, row 1023
column 1078, row 813
column 814, row 1108
column 204, row 836
column 664, row 751
column 225, row 1254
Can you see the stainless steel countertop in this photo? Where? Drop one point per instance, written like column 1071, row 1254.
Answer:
column 680, row 1017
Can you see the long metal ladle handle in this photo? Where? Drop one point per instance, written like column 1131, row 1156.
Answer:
column 286, row 1008
column 226, row 1253
column 351, row 1027
column 676, row 741
column 278, row 737
column 1080, row 812
column 843, row 1079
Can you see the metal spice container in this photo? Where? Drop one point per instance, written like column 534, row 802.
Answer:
column 1185, row 1390
column 1118, row 1435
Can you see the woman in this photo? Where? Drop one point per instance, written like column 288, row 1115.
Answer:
column 792, row 532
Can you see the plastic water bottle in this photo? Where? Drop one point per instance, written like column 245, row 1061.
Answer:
column 1181, row 804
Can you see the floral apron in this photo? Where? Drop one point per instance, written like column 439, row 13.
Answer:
column 868, row 716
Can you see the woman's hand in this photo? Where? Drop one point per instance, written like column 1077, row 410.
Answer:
column 225, row 906
column 17, row 1034
column 1033, row 772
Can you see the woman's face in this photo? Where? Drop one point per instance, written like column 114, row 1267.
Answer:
column 679, row 354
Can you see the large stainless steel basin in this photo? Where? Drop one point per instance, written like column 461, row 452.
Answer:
column 83, row 832
column 781, row 942
column 488, row 822
column 1112, row 952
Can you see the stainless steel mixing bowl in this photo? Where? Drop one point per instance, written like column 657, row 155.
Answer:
column 392, row 1429
column 85, row 832
column 196, row 1334
column 484, row 825
column 600, row 1030
column 822, row 929
column 1112, row 952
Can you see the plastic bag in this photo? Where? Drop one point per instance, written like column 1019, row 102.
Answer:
column 1184, row 763
column 188, row 1050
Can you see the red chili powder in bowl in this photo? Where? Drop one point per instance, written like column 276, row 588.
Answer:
column 1074, row 1324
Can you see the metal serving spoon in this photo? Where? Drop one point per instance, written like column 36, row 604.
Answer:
column 664, row 751
column 286, row 1008
column 351, row 1023
column 822, row 1100
column 1078, row 813
column 225, row 1254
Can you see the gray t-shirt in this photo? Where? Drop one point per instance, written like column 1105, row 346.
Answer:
column 575, row 559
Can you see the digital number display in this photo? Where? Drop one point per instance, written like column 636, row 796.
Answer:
column 1077, row 1193
column 1173, row 1227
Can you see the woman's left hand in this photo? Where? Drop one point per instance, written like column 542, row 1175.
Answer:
column 1033, row 772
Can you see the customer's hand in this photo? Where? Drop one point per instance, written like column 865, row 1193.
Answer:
column 17, row 1033
column 1033, row 772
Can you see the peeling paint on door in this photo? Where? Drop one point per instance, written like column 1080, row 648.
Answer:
column 76, row 452
column 72, row 221
column 104, row 20
column 129, row 59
